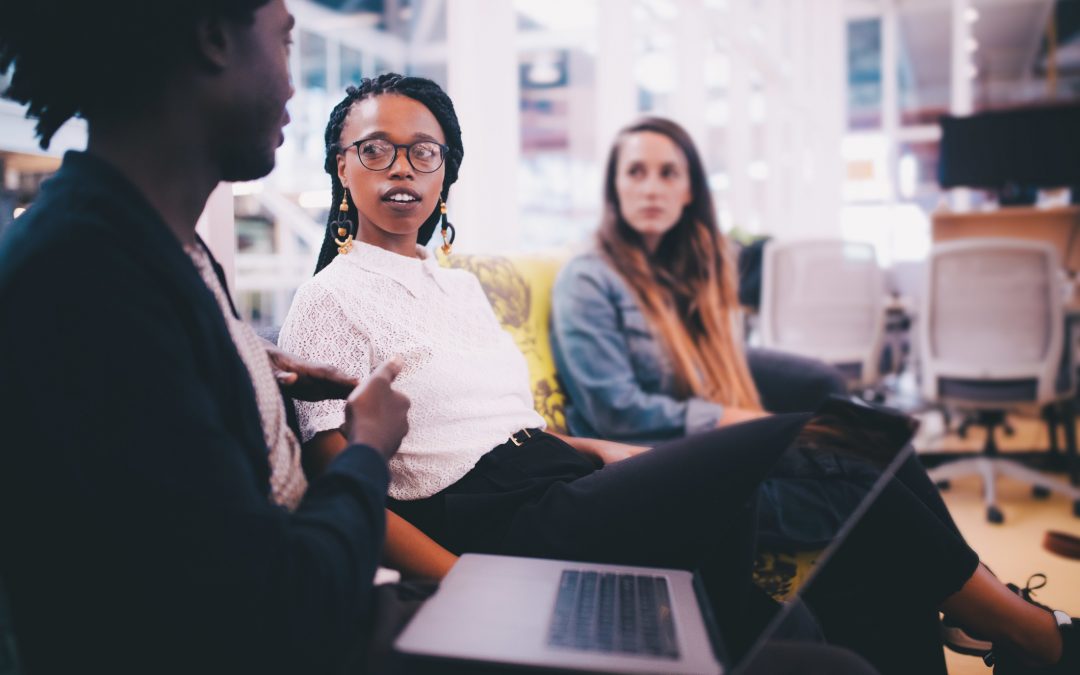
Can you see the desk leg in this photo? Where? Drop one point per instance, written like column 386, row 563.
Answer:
column 1072, row 462
column 1050, row 414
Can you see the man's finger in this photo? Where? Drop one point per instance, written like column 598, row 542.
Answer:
column 337, row 377
column 389, row 368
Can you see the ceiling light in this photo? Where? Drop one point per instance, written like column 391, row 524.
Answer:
column 972, row 44
column 972, row 72
column 544, row 73
column 971, row 15
column 908, row 176
column 719, row 182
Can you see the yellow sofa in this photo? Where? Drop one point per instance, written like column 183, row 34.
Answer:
column 519, row 289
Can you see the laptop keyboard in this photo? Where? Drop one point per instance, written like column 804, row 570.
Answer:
column 614, row 613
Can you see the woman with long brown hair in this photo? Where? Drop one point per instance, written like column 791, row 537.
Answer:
column 675, row 302
column 646, row 342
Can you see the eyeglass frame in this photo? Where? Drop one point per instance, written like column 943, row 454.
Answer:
column 397, row 146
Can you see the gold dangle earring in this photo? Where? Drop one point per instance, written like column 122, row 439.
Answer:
column 448, row 231
column 344, row 226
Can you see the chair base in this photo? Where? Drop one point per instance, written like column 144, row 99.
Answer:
column 989, row 468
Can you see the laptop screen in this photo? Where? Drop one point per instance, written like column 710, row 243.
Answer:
column 840, row 462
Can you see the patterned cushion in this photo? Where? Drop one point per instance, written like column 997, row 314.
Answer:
column 519, row 290
column 782, row 573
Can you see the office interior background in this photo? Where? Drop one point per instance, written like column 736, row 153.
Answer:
column 816, row 118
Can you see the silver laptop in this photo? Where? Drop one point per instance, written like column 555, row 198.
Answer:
column 585, row 617
column 565, row 615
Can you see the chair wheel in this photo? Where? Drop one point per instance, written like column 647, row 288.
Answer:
column 1039, row 492
column 994, row 515
column 943, row 485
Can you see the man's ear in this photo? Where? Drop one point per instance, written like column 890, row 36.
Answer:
column 212, row 43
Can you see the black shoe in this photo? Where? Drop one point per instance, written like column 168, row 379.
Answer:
column 964, row 641
column 1028, row 590
column 1006, row 663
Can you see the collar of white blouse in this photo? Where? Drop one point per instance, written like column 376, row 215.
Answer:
column 414, row 274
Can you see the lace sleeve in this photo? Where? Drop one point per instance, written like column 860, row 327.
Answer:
column 317, row 329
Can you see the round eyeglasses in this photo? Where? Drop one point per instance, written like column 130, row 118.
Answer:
column 378, row 154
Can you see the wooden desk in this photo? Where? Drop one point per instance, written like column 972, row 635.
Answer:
column 1059, row 226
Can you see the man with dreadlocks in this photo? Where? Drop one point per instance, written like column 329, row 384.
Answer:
column 153, row 514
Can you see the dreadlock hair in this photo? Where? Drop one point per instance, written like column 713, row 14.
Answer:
column 77, row 58
column 687, row 287
column 419, row 89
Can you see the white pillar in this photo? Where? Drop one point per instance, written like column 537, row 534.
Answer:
column 890, row 93
column 333, row 68
column 777, row 217
column 217, row 227
column 799, row 123
column 961, row 99
column 482, row 77
column 616, row 89
column 829, row 103
column 689, row 100
column 737, row 132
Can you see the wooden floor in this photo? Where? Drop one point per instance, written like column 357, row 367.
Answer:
column 1013, row 550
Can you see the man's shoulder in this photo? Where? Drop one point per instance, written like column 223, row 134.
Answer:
column 49, row 242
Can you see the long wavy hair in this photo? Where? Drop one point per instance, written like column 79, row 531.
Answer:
column 687, row 287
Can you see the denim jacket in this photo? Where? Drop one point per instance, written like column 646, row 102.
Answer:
column 619, row 378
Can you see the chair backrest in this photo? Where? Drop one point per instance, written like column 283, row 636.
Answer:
column 992, row 323
column 825, row 299
column 519, row 290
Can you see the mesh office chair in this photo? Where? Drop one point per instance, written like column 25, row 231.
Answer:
column 825, row 299
column 991, row 335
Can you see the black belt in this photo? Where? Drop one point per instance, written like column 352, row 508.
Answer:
column 521, row 436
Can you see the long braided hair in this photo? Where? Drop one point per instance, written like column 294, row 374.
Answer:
column 687, row 287
column 419, row 89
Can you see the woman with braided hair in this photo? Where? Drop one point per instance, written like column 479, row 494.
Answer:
column 393, row 150
column 438, row 103
column 477, row 473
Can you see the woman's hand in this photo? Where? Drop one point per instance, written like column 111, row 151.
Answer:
column 733, row 415
column 609, row 452
column 602, row 452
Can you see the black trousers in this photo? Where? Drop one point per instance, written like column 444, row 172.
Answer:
column 687, row 505
column 690, row 504
column 792, row 383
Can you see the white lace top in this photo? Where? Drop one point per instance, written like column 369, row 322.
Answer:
column 466, row 379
